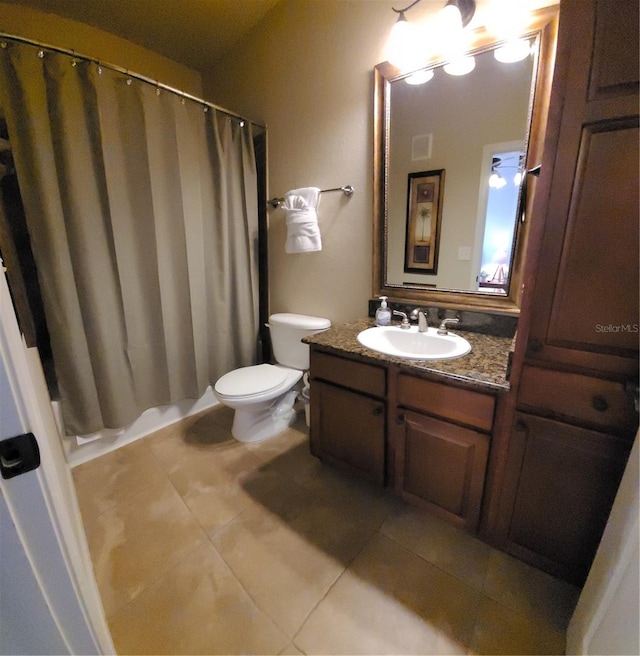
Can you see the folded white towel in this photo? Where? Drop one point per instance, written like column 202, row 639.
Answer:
column 303, row 232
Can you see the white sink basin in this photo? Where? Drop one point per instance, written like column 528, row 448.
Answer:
column 410, row 344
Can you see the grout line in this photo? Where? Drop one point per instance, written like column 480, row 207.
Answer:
column 328, row 590
column 246, row 591
column 438, row 567
column 171, row 483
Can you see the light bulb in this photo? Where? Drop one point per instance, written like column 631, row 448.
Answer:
column 517, row 178
column 460, row 66
column 496, row 181
column 448, row 37
column 401, row 46
column 513, row 50
column 420, row 77
column 450, row 18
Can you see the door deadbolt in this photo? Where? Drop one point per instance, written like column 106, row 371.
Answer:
column 18, row 455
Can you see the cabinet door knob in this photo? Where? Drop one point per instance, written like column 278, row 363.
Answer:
column 599, row 403
column 520, row 426
column 378, row 410
column 399, row 419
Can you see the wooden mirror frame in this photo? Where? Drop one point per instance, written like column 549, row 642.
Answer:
column 544, row 26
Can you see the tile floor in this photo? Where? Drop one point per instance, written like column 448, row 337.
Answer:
column 204, row 545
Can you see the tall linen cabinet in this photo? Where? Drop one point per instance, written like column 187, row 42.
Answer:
column 576, row 366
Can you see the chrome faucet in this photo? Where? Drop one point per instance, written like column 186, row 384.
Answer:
column 423, row 324
column 443, row 326
column 404, row 324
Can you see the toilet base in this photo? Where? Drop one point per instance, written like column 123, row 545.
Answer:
column 258, row 424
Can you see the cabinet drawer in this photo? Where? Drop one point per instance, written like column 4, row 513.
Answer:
column 358, row 376
column 459, row 405
column 596, row 401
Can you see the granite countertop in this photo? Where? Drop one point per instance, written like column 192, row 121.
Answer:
column 485, row 366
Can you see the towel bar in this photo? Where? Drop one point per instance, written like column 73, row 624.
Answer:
column 346, row 190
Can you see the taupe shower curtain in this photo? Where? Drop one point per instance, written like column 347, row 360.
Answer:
column 142, row 212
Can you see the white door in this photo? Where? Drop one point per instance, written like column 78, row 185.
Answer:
column 49, row 603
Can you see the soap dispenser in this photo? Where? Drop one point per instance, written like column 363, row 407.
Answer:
column 383, row 313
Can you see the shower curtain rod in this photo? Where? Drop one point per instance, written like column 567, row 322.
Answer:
column 347, row 190
column 120, row 69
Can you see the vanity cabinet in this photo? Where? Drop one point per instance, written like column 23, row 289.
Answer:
column 441, row 447
column 427, row 439
column 348, row 414
column 575, row 416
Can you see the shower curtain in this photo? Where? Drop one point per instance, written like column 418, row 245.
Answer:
column 142, row 211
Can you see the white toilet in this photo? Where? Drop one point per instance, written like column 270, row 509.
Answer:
column 263, row 395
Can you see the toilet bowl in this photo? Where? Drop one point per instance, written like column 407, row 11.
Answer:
column 263, row 395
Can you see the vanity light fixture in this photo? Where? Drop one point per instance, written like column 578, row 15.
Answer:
column 496, row 181
column 403, row 48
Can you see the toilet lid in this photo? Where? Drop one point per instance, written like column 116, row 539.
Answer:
column 250, row 380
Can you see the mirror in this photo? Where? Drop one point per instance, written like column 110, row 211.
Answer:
column 451, row 191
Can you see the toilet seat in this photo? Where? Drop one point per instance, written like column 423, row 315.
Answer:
column 251, row 381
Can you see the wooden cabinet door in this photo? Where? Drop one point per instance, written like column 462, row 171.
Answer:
column 559, row 491
column 442, row 467
column 586, row 290
column 348, row 429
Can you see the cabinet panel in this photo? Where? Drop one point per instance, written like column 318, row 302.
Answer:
column 348, row 429
column 358, row 376
column 459, row 405
column 442, row 466
column 595, row 305
column 562, row 486
column 615, row 51
column 584, row 312
column 603, row 403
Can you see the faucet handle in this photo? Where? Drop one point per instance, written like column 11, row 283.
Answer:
column 443, row 325
column 405, row 320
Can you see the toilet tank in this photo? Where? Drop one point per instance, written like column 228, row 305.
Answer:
column 287, row 329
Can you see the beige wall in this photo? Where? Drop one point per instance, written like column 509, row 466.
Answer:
column 307, row 72
column 64, row 33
